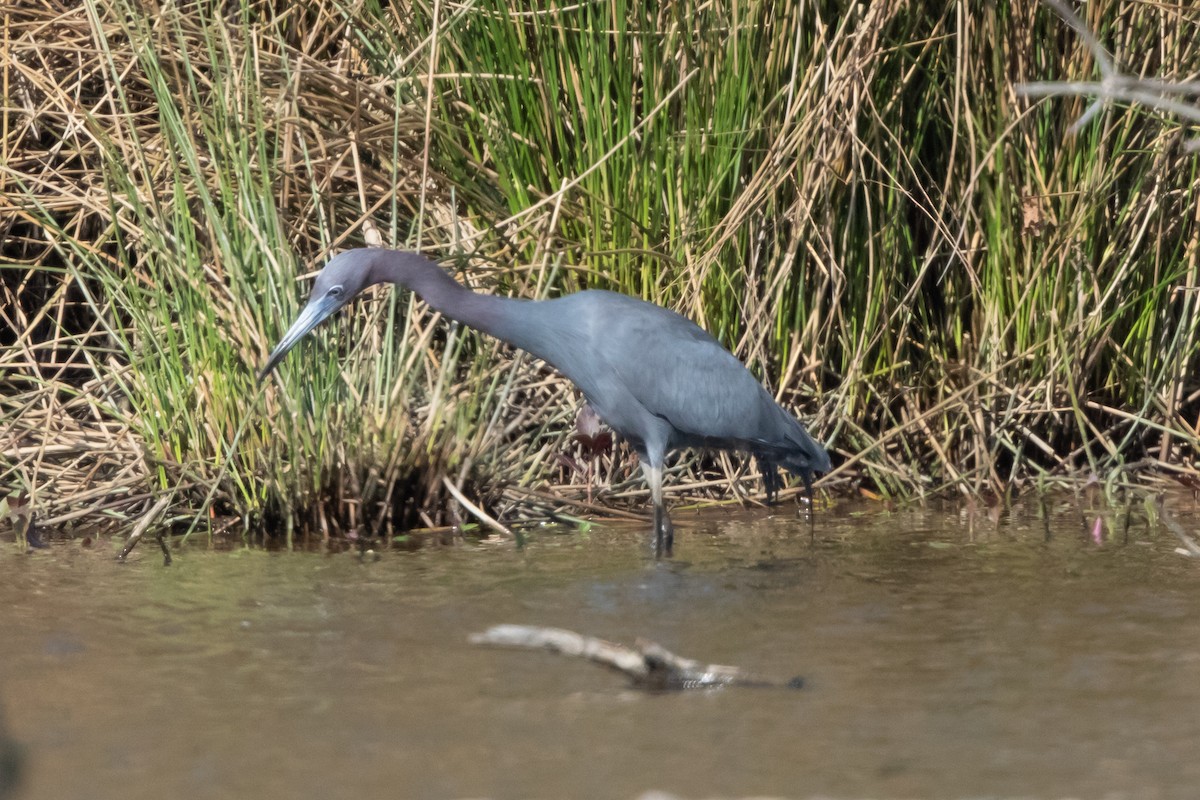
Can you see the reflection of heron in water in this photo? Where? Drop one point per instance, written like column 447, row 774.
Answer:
column 10, row 762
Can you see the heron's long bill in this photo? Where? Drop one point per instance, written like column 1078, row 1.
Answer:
column 313, row 315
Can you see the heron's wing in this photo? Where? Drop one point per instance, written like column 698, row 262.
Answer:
column 681, row 374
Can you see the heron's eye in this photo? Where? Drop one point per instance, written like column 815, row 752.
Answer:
column 335, row 292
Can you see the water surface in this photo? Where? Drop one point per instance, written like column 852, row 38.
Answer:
column 943, row 658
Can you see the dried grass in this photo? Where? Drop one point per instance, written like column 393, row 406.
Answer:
column 959, row 294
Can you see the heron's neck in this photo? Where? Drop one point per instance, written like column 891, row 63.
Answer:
column 502, row 317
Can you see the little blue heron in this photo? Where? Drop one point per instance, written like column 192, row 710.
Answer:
column 656, row 378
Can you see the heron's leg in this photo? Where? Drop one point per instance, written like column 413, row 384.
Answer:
column 812, row 517
column 771, row 480
column 664, row 531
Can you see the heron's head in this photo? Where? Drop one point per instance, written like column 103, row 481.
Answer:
column 337, row 284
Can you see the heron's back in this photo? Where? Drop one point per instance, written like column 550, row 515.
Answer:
column 660, row 380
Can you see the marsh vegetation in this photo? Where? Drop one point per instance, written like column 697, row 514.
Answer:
column 956, row 292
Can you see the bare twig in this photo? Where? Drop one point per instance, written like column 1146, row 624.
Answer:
column 151, row 517
column 1114, row 86
column 475, row 510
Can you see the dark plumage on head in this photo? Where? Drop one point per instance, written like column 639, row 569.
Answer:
column 339, row 282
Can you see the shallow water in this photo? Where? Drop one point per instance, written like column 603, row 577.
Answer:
column 941, row 658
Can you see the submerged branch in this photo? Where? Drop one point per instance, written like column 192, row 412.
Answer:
column 650, row 665
column 1190, row 548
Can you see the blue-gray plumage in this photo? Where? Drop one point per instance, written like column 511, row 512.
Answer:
column 655, row 377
